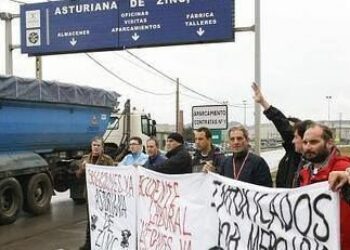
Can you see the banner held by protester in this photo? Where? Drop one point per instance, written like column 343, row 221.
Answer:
column 254, row 217
column 171, row 214
column 112, row 195
column 206, row 211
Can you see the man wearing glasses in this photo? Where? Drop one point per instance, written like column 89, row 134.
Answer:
column 136, row 157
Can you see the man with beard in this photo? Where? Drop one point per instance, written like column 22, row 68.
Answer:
column 324, row 158
column 244, row 165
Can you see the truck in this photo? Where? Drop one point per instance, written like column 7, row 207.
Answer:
column 45, row 129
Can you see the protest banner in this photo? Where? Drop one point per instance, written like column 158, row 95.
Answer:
column 172, row 212
column 253, row 217
column 112, row 198
column 135, row 208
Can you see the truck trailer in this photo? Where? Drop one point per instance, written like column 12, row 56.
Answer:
column 45, row 127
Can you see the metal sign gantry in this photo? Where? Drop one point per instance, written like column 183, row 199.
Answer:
column 90, row 25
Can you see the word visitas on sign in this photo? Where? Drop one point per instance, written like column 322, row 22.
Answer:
column 72, row 26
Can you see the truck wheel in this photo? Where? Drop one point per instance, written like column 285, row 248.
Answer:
column 38, row 194
column 60, row 180
column 11, row 200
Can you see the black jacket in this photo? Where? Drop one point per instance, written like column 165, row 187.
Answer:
column 288, row 166
column 179, row 162
column 214, row 155
column 255, row 170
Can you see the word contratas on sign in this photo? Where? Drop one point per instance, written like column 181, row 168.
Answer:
column 70, row 26
column 179, row 211
column 210, row 116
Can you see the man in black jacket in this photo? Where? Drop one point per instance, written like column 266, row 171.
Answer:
column 291, row 131
column 207, row 157
column 179, row 160
column 244, row 165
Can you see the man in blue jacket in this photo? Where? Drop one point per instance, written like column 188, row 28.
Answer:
column 155, row 158
column 136, row 157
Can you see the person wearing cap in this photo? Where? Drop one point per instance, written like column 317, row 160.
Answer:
column 179, row 160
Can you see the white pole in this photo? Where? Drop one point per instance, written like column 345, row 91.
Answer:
column 329, row 98
column 7, row 17
column 38, row 68
column 245, row 112
column 257, row 75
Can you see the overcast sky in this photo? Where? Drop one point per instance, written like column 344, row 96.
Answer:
column 305, row 57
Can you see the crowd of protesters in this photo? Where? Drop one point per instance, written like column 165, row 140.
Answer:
column 310, row 156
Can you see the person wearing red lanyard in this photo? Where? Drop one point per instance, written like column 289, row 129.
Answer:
column 243, row 165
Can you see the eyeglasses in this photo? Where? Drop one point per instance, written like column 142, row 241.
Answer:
column 134, row 144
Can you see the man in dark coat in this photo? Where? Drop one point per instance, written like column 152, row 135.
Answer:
column 291, row 131
column 244, row 165
column 179, row 160
column 207, row 157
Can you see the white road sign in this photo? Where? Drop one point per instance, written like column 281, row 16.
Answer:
column 211, row 116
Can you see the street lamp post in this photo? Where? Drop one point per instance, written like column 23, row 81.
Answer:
column 245, row 112
column 340, row 117
column 329, row 98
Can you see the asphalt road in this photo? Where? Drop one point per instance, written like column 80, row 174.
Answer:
column 63, row 228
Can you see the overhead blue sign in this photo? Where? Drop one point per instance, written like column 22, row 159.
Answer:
column 93, row 25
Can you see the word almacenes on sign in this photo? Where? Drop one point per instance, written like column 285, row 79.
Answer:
column 89, row 25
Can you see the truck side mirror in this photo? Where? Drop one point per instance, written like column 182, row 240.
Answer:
column 154, row 128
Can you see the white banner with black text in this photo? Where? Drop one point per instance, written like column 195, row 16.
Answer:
column 112, row 194
column 135, row 208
